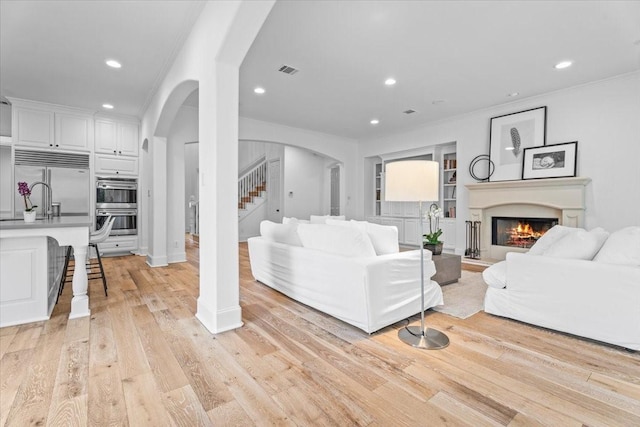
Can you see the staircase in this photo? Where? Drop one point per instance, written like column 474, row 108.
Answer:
column 252, row 189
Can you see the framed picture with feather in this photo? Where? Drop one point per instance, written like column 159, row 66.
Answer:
column 509, row 135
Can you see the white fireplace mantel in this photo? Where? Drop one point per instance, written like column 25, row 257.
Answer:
column 561, row 197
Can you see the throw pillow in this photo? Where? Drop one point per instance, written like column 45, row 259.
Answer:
column 321, row 219
column 281, row 233
column 292, row 220
column 496, row 275
column 345, row 241
column 622, row 247
column 581, row 244
column 549, row 238
column 383, row 237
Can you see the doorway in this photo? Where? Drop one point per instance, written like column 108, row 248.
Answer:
column 274, row 199
column 335, row 190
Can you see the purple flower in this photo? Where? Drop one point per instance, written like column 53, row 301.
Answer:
column 25, row 192
column 23, row 189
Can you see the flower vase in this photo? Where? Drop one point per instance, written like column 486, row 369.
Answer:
column 29, row 216
column 435, row 248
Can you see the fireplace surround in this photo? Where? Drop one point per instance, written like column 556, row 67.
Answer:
column 561, row 198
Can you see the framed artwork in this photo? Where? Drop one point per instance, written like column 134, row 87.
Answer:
column 550, row 161
column 509, row 135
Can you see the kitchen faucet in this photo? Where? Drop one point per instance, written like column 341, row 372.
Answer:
column 49, row 212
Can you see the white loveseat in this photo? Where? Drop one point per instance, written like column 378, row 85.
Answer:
column 574, row 281
column 338, row 270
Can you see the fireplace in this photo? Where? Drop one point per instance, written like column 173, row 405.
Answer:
column 559, row 199
column 519, row 232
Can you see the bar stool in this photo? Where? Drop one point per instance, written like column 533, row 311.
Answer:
column 94, row 239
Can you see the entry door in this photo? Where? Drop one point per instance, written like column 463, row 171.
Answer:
column 274, row 195
column 335, row 190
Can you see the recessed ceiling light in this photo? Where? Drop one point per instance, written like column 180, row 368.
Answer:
column 113, row 63
column 259, row 90
column 107, row 106
column 512, row 94
column 374, row 121
column 390, row 81
column 563, row 64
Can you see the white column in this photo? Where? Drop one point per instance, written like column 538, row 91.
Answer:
column 158, row 204
column 218, row 304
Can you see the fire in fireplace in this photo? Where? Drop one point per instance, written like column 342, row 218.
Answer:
column 519, row 232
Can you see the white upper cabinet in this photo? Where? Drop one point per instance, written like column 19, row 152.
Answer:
column 32, row 127
column 50, row 126
column 73, row 131
column 116, row 137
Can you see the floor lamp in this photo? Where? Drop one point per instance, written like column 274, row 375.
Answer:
column 415, row 181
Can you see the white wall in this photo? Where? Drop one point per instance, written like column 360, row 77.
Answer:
column 183, row 129
column 604, row 117
column 343, row 150
column 303, row 183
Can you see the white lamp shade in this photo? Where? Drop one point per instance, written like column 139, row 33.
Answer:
column 411, row 181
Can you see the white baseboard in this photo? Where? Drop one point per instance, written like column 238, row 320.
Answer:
column 160, row 261
column 220, row 321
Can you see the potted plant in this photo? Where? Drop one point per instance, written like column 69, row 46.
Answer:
column 432, row 241
column 29, row 208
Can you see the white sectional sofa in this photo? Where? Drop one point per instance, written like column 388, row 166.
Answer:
column 338, row 270
column 574, row 281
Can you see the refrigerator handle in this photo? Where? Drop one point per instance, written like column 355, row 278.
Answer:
column 47, row 201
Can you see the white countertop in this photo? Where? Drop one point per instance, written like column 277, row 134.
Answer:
column 56, row 222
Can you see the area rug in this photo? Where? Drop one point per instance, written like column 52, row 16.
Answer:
column 465, row 297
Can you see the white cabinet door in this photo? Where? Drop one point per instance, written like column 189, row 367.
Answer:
column 106, row 137
column 448, row 233
column 128, row 139
column 32, row 127
column 73, row 131
column 116, row 165
column 386, row 208
column 412, row 232
column 116, row 138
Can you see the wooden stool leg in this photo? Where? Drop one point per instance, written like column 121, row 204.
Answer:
column 63, row 279
column 104, row 278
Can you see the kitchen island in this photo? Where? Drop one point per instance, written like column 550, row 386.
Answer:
column 31, row 261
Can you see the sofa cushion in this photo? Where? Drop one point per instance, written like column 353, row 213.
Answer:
column 345, row 241
column 580, row 244
column 496, row 275
column 622, row 247
column 281, row 233
column 549, row 238
column 287, row 220
column 322, row 219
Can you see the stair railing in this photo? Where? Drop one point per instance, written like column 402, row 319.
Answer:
column 250, row 181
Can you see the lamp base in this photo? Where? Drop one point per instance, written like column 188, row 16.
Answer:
column 429, row 340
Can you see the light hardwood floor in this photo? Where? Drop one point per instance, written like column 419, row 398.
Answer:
column 142, row 359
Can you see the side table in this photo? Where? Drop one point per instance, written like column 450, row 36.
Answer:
column 448, row 268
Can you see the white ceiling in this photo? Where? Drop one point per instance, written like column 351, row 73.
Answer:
column 470, row 54
column 55, row 51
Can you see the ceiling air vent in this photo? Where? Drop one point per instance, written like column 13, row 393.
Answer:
column 287, row 70
column 409, row 111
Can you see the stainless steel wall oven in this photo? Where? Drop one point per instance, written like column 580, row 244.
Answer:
column 117, row 197
column 121, row 193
